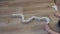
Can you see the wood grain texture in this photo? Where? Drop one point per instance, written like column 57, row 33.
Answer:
column 28, row 8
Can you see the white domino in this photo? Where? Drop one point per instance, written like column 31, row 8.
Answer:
column 55, row 7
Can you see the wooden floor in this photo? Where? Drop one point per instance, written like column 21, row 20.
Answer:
column 29, row 8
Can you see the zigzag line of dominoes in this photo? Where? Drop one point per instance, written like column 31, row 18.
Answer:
column 46, row 19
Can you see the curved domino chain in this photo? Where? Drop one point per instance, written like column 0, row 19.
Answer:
column 33, row 17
